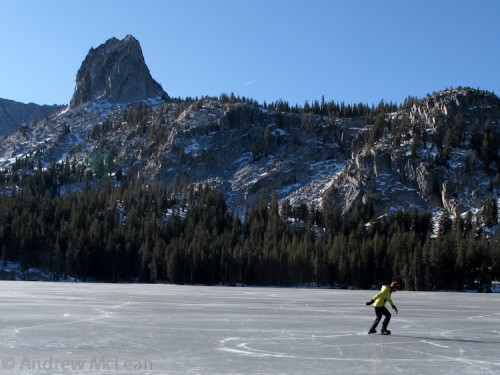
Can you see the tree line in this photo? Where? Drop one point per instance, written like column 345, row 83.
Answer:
column 126, row 231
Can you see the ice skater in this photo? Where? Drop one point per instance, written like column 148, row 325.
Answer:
column 378, row 301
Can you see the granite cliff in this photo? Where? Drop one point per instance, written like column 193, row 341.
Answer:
column 115, row 72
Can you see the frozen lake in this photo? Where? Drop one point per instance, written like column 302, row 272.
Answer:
column 62, row 328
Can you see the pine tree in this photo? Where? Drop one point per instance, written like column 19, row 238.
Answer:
column 490, row 212
column 489, row 145
column 376, row 131
column 475, row 142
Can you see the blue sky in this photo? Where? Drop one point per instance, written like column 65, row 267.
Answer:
column 351, row 50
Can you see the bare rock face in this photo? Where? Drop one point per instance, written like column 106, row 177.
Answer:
column 115, row 72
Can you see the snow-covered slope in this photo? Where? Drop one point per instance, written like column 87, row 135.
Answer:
column 250, row 152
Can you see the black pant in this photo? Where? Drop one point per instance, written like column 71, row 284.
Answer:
column 379, row 311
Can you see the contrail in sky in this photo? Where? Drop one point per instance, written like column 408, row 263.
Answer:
column 250, row 82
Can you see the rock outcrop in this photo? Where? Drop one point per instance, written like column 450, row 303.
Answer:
column 117, row 73
column 409, row 166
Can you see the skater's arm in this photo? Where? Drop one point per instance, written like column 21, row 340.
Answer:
column 389, row 299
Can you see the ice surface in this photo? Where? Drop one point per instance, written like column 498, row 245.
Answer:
column 72, row 328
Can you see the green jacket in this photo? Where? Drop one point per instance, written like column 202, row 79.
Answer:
column 383, row 296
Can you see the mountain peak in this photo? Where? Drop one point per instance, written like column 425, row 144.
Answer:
column 115, row 72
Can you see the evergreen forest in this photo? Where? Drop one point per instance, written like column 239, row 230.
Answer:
column 115, row 229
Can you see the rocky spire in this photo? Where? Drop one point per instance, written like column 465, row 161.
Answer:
column 116, row 72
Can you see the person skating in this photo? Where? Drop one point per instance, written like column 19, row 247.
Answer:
column 378, row 301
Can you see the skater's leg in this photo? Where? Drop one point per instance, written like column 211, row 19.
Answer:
column 387, row 318
column 378, row 313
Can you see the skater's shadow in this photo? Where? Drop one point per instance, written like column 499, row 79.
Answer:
column 449, row 339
